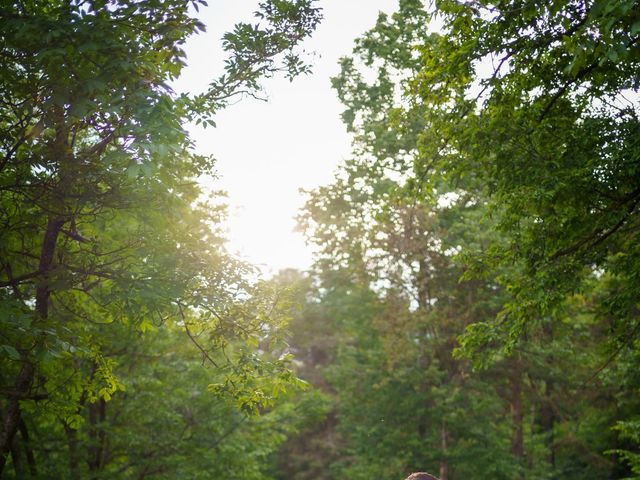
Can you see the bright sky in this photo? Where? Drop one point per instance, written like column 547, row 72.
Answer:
column 267, row 151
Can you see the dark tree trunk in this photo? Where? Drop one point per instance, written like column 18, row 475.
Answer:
column 547, row 414
column 74, row 460
column 517, row 417
column 55, row 220
column 25, row 377
column 12, row 416
column 97, row 435
column 31, row 461
column 16, row 457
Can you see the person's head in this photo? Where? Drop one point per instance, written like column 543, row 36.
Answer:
column 421, row 476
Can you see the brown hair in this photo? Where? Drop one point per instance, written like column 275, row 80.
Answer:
column 421, row 476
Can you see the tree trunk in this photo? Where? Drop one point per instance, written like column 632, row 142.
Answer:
column 25, row 377
column 547, row 414
column 74, row 460
column 17, row 459
column 547, row 423
column 31, row 461
column 97, row 436
column 517, row 417
column 444, row 462
column 55, row 221
column 12, row 417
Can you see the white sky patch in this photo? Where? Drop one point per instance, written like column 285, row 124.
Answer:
column 267, row 151
column 447, row 199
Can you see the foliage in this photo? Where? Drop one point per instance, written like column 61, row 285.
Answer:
column 490, row 209
column 103, row 223
column 552, row 132
column 164, row 424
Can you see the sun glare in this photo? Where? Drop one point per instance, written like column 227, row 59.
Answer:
column 268, row 151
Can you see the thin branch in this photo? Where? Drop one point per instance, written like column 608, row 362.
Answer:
column 205, row 354
column 19, row 279
column 611, row 358
column 597, row 236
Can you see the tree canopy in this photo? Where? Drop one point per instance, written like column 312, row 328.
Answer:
column 473, row 306
column 490, row 209
column 106, row 234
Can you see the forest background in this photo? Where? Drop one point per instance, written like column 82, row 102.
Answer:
column 473, row 307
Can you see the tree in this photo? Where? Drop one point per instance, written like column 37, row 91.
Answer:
column 547, row 129
column 406, row 406
column 313, row 443
column 102, row 218
column 493, row 187
column 165, row 424
column 537, row 101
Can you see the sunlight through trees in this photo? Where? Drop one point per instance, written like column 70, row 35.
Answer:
column 472, row 310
